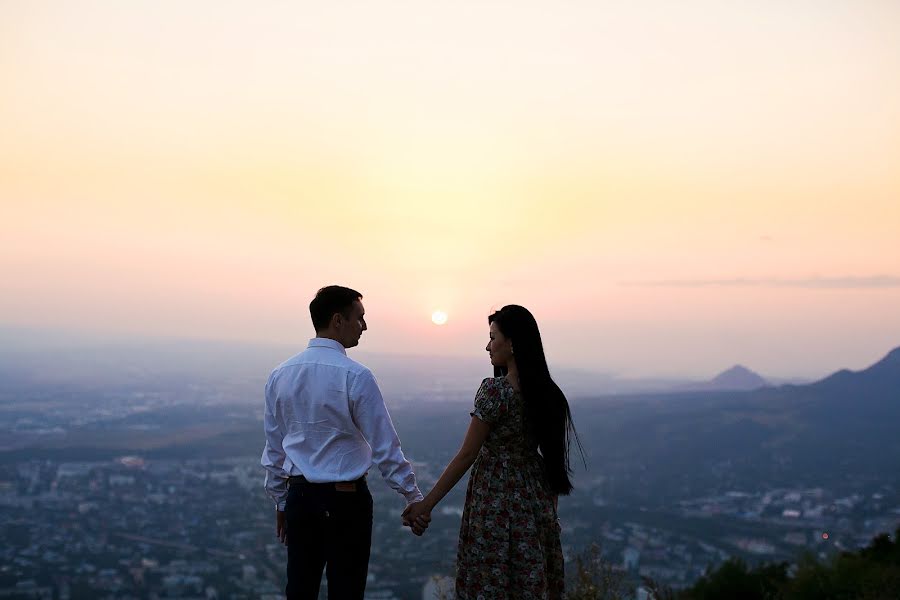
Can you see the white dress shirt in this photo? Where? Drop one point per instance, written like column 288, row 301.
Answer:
column 326, row 420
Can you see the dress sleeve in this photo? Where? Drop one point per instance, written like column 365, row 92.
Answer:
column 489, row 406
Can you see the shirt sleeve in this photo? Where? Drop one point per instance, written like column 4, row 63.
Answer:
column 273, row 455
column 372, row 418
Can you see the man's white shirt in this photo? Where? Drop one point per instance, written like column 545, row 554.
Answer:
column 325, row 419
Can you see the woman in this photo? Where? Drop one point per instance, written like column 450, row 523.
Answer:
column 518, row 446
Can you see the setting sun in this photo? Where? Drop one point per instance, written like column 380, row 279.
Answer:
column 683, row 169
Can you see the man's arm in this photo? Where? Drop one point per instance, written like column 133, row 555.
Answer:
column 373, row 420
column 273, row 460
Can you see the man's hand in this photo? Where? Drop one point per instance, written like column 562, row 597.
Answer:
column 281, row 526
column 417, row 516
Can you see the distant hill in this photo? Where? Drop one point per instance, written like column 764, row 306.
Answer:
column 737, row 378
column 882, row 377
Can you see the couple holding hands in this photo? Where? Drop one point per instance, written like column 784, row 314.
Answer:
column 326, row 424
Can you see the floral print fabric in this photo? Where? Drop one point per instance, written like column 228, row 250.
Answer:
column 509, row 544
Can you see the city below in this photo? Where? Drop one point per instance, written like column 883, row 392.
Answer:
column 151, row 487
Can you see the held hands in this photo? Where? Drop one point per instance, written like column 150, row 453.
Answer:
column 417, row 516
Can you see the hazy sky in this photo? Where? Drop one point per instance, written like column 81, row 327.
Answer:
column 671, row 187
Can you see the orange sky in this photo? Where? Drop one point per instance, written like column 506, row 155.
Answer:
column 671, row 187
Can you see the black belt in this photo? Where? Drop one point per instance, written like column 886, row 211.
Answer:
column 340, row 486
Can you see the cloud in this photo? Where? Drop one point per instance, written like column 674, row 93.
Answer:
column 821, row 283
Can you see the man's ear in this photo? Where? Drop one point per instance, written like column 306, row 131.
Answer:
column 337, row 319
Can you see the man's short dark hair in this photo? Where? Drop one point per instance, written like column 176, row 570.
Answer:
column 330, row 300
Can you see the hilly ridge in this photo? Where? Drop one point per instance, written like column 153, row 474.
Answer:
column 791, row 434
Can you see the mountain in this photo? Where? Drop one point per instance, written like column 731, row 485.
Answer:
column 737, row 378
column 826, row 433
column 882, row 377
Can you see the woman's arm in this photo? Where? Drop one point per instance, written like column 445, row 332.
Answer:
column 468, row 452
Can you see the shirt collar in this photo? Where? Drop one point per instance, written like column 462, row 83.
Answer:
column 318, row 342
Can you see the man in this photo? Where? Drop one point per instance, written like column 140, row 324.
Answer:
column 326, row 423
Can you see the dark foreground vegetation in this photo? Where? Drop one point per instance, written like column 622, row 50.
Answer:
column 872, row 573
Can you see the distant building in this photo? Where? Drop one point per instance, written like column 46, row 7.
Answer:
column 439, row 588
column 631, row 558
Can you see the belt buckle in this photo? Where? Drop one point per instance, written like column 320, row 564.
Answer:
column 345, row 486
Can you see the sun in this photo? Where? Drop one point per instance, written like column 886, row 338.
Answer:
column 439, row 317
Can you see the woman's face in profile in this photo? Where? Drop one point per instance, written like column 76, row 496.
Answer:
column 499, row 347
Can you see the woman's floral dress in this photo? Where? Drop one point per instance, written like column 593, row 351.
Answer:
column 509, row 539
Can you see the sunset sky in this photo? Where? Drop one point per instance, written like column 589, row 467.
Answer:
column 671, row 187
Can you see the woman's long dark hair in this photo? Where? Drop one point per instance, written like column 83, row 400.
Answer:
column 547, row 414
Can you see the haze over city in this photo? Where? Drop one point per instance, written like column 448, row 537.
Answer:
column 699, row 201
column 672, row 189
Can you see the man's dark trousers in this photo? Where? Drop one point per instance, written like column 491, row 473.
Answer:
column 329, row 526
